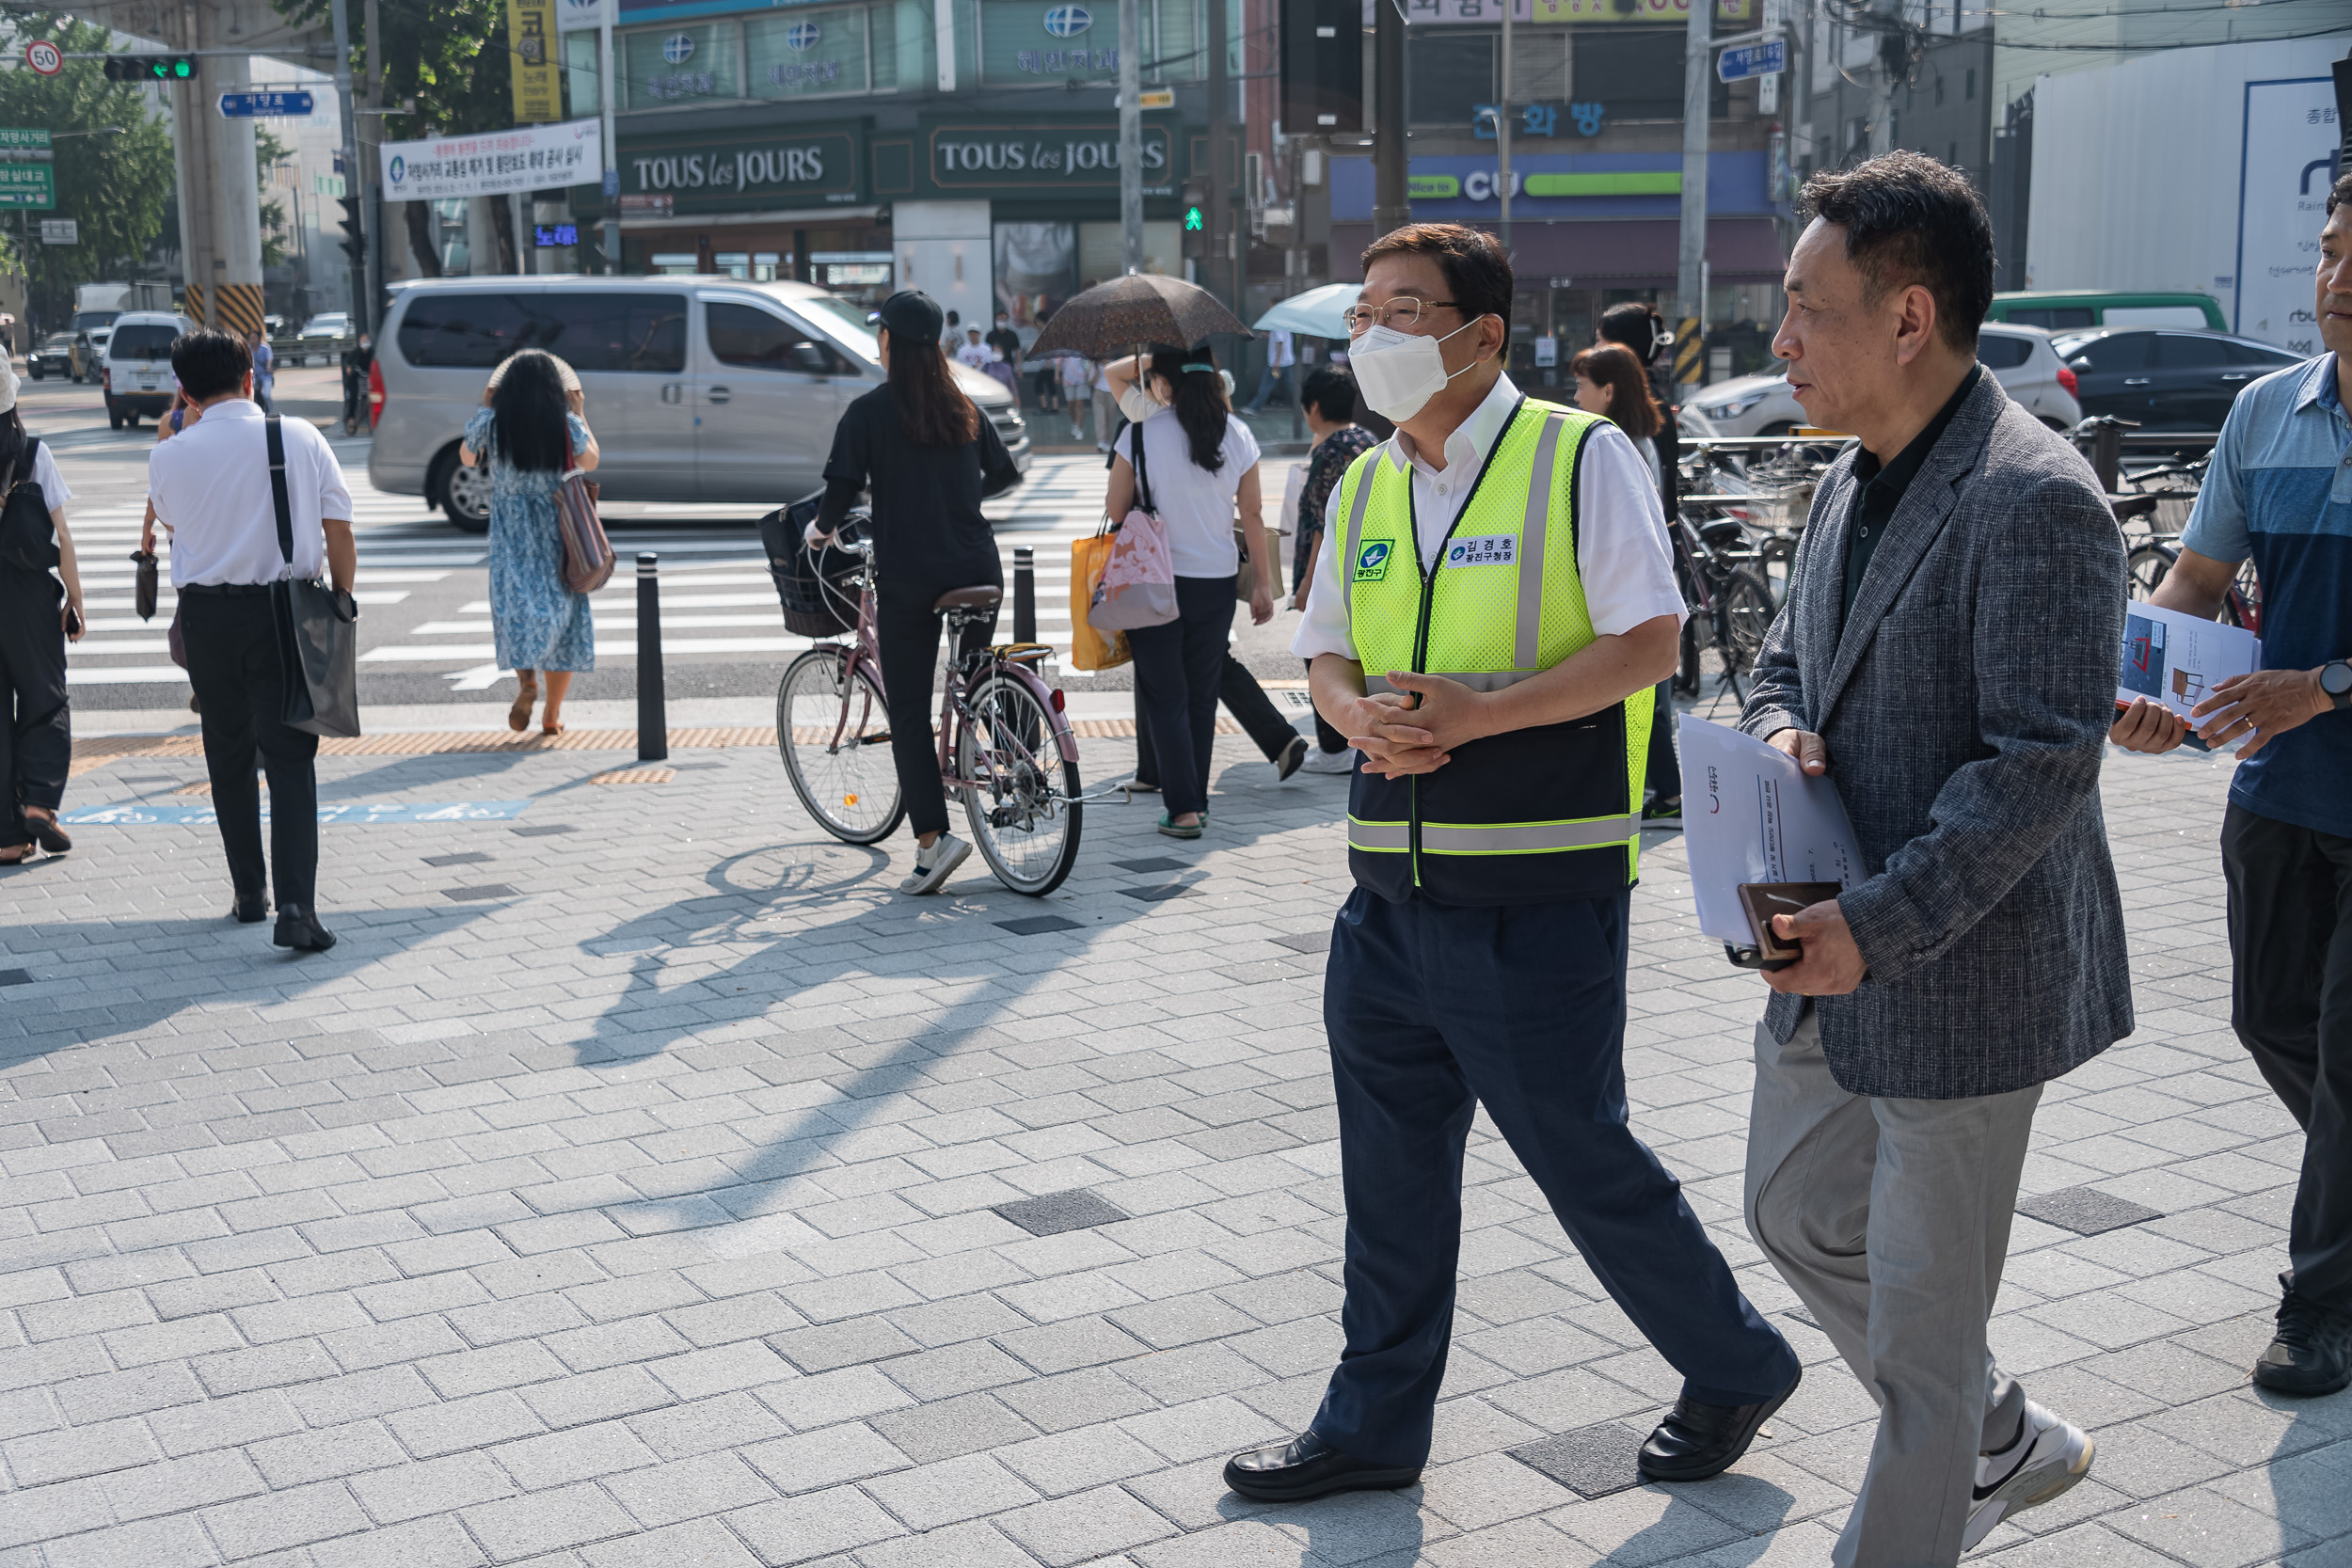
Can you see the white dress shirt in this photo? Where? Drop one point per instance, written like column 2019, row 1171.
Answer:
column 211, row 487
column 1622, row 558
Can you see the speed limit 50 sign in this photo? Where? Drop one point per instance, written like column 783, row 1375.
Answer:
column 43, row 55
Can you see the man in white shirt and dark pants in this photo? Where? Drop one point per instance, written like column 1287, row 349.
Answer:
column 211, row 488
column 1280, row 352
column 1492, row 604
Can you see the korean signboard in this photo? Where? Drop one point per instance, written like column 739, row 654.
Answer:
column 529, row 158
column 531, row 32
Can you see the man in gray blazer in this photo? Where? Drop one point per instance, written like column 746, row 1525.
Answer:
column 1948, row 656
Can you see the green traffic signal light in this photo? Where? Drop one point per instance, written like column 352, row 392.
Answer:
column 183, row 68
column 1193, row 221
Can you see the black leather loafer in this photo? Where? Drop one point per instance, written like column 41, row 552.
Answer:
column 1696, row 1441
column 1306, row 1467
column 298, row 928
column 251, row 911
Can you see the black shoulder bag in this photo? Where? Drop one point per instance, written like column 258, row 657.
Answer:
column 318, row 627
column 28, row 540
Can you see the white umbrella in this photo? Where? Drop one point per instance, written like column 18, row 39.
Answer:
column 1318, row 312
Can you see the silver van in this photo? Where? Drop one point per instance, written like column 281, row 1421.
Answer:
column 698, row 389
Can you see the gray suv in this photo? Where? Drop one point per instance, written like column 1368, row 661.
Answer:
column 698, row 389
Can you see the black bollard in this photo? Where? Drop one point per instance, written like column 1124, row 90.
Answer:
column 1023, row 594
column 653, row 724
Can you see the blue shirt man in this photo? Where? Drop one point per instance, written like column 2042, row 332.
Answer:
column 2279, row 493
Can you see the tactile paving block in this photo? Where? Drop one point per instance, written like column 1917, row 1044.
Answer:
column 2087, row 1210
column 1055, row 1213
column 1590, row 1461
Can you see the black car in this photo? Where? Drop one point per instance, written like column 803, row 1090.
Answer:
column 53, row 356
column 2165, row 377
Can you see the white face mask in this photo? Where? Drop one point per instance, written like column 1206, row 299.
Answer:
column 1398, row 372
column 1138, row 404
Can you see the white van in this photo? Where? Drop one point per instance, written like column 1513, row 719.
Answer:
column 698, row 389
column 136, row 369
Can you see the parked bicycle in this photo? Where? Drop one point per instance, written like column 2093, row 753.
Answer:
column 1722, row 574
column 1005, row 744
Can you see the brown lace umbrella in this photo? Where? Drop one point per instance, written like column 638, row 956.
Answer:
column 1115, row 318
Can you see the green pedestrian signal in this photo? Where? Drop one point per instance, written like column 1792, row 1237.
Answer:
column 1194, row 224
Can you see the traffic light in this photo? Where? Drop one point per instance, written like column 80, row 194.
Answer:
column 354, row 241
column 1195, row 215
column 150, row 68
column 1323, row 67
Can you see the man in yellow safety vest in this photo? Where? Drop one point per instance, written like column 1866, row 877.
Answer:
column 1486, row 624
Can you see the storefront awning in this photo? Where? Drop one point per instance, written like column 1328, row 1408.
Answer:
column 1631, row 253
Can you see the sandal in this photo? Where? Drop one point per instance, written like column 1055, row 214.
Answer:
column 519, row 716
column 47, row 834
column 1173, row 829
column 553, row 729
column 16, row 854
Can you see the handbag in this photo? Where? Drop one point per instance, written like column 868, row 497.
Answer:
column 1091, row 649
column 588, row 557
column 28, row 540
column 1138, row 584
column 318, row 627
column 144, row 584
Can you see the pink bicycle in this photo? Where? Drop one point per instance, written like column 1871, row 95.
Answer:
column 1005, row 745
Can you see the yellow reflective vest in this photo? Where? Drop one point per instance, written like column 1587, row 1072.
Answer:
column 1532, row 815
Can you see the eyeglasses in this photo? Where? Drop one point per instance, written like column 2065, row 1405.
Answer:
column 1403, row 313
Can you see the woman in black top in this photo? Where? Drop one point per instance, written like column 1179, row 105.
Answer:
column 929, row 457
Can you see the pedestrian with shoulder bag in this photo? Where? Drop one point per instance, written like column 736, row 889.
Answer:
column 40, row 611
column 245, row 557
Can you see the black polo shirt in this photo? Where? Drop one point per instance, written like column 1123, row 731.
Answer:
column 1878, row 491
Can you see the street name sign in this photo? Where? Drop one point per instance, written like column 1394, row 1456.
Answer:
column 265, row 105
column 1756, row 59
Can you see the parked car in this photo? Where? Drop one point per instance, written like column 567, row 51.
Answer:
column 54, row 356
column 136, row 374
column 321, row 337
column 2065, row 309
column 2022, row 357
column 2161, row 380
column 698, row 389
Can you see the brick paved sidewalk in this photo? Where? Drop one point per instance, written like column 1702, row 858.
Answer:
column 625, row 1190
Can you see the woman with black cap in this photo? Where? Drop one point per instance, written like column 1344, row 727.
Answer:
column 923, row 449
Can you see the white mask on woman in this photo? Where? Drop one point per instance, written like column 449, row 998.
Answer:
column 1398, row 372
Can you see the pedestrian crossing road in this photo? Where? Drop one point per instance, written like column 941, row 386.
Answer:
column 425, row 631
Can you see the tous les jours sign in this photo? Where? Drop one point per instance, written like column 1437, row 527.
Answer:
column 1045, row 157
column 740, row 169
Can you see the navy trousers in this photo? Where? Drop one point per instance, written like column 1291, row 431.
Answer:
column 1433, row 1011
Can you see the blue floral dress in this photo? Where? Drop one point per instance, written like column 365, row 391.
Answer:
column 536, row 621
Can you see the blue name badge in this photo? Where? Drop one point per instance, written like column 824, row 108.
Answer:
column 1491, row 549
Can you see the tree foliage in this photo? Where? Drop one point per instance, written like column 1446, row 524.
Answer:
column 113, row 186
column 450, row 55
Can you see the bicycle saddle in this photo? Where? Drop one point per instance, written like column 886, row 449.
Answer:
column 980, row 597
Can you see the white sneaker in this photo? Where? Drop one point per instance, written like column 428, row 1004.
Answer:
column 2048, row 1457
column 1319, row 761
column 934, row 866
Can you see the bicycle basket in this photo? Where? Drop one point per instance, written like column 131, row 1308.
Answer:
column 818, row 598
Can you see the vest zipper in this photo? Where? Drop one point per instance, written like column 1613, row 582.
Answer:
column 1429, row 596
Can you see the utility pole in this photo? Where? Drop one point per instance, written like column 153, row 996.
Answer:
column 1221, row 180
column 1130, row 135
column 379, row 235
column 1690, row 272
column 1391, row 208
column 611, row 143
column 1503, row 133
column 362, row 301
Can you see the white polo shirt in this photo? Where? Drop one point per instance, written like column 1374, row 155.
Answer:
column 211, row 487
column 1622, row 557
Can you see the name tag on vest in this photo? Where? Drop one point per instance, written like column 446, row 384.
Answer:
column 1493, row 549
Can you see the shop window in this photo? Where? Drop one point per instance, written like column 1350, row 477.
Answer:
column 1451, row 73
column 765, row 266
column 804, row 54
column 692, row 63
column 1179, row 30
column 758, row 340
column 732, row 263
column 584, row 72
column 675, row 263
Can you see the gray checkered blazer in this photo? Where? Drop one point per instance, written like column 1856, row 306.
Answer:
column 1966, row 705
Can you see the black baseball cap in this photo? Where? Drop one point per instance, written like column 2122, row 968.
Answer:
column 912, row 317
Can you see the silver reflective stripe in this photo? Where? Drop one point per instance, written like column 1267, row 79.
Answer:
column 1355, row 542
column 1379, row 835
column 1477, row 680
column 1531, row 622
column 1522, row 838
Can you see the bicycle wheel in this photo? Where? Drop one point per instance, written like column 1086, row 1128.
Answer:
column 834, row 734
column 1686, row 675
column 2243, row 604
column 1747, row 610
column 2147, row 566
column 1023, row 799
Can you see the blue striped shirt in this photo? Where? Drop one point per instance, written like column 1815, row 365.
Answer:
column 2279, row 490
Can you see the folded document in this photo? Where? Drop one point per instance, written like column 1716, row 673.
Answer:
column 1751, row 814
